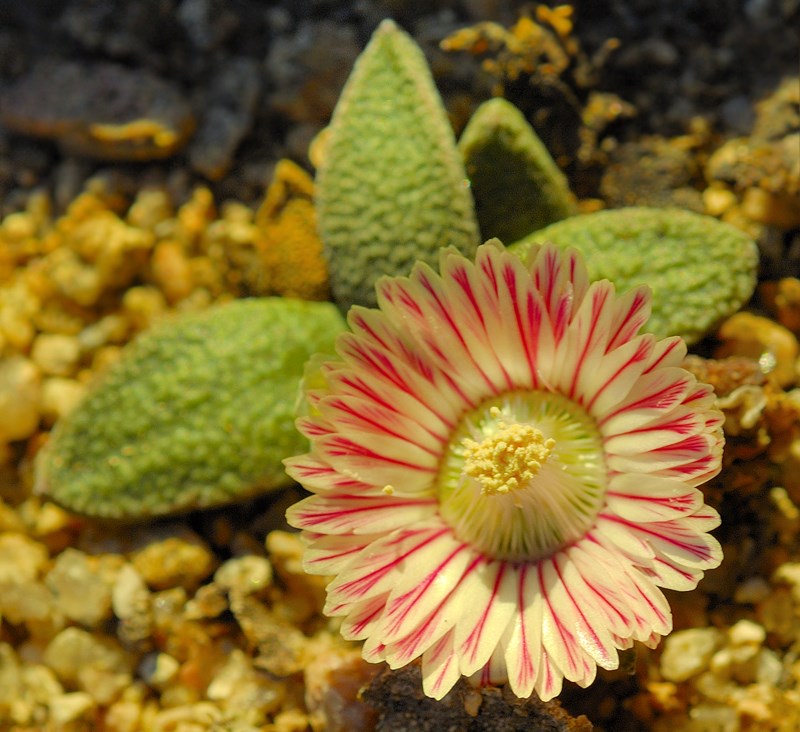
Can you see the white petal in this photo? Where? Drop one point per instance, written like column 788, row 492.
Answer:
column 441, row 615
column 616, row 537
column 421, row 305
column 667, row 574
column 643, row 498
column 469, row 294
column 561, row 621
column 631, row 312
column 419, row 594
column 613, row 375
column 665, row 430
column 582, row 613
column 377, row 568
column 494, row 672
column 668, row 352
column 386, row 465
column 604, row 586
column 332, row 554
column 669, row 457
column 651, row 397
column 486, row 614
column 379, row 422
column 550, row 679
column 583, row 347
column 561, row 279
column 318, row 476
column 362, row 617
column 440, row 668
column 344, row 513
column 517, row 324
column 676, row 542
column 400, row 379
column 523, row 637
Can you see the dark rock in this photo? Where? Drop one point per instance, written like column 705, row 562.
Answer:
column 309, row 68
column 229, row 104
column 99, row 110
column 143, row 30
column 207, row 23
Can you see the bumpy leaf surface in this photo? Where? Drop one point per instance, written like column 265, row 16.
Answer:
column 199, row 411
column 517, row 186
column 391, row 189
column 700, row 269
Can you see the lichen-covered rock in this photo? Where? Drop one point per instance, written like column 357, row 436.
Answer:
column 288, row 242
column 392, row 189
column 701, row 270
column 517, row 186
column 199, row 411
column 101, row 110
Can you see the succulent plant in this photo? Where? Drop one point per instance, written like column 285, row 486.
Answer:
column 391, row 188
column 199, row 411
column 700, row 269
column 517, row 186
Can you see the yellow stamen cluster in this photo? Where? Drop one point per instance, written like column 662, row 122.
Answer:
column 508, row 459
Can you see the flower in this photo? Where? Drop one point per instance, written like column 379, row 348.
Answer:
column 504, row 473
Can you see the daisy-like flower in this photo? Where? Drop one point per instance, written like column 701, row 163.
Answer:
column 504, row 473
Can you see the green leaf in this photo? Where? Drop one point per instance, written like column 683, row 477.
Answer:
column 391, row 188
column 517, row 186
column 199, row 411
column 700, row 269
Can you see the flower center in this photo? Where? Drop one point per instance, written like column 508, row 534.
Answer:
column 507, row 460
column 523, row 475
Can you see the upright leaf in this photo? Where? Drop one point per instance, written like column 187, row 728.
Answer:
column 391, row 188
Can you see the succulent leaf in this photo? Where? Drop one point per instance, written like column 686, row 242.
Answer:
column 517, row 186
column 700, row 269
column 199, row 411
column 392, row 188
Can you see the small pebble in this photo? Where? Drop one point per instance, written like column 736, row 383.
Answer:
column 66, row 708
column 158, row 669
column 688, row 652
column 20, row 393
column 91, row 662
column 59, row 397
column 124, row 716
column 21, row 558
column 130, row 601
column 238, row 685
column 333, row 679
column 30, row 603
column 56, row 355
column 173, row 556
column 776, row 347
column 82, row 592
column 143, row 306
column 246, row 574
column 770, row 208
column 109, row 329
column 718, row 200
column 783, row 299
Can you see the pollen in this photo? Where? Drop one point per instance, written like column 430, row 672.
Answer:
column 508, row 459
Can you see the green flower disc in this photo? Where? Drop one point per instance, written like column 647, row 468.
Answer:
column 391, row 189
column 199, row 411
column 700, row 269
